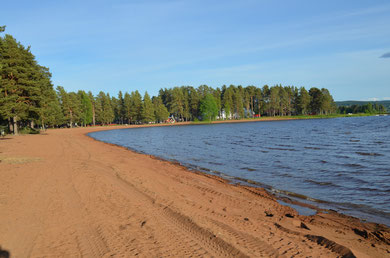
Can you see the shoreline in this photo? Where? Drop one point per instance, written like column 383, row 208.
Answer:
column 251, row 184
column 80, row 195
column 291, row 199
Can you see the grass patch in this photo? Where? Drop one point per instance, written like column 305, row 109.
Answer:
column 29, row 130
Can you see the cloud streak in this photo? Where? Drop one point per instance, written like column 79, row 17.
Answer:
column 385, row 55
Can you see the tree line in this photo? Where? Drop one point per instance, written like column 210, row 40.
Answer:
column 29, row 99
column 368, row 108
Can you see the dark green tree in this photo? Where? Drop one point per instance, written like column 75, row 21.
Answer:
column 160, row 111
column 258, row 100
column 70, row 105
column 104, row 111
column 193, row 102
column 274, row 100
column 238, row 102
column 177, row 103
column 316, row 99
column 147, row 109
column 327, row 104
column 49, row 109
column 93, row 102
column 121, row 109
column 303, row 101
column 19, row 83
column 136, row 106
column 86, row 114
column 127, row 108
column 227, row 101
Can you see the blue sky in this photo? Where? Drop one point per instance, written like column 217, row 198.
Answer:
column 147, row 45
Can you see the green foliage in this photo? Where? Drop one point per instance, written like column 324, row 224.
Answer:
column 27, row 97
column 136, row 106
column 227, row 100
column 147, row 109
column 303, row 102
column 120, row 114
column 160, row 111
column 127, row 102
column 177, row 103
column 208, row 108
column 86, row 115
column 28, row 130
column 368, row 108
column 93, row 102
column 315, row 100
column 23, row 84
column 70, row 106
column 194, row 100
column 103, row 109
column 380, row 107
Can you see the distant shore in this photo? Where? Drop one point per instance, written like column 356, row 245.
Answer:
column 245, row 120
column 67, row 194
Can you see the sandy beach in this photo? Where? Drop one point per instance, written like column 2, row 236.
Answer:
column 65, row 194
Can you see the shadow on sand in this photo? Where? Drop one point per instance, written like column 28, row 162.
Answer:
column 4, row 253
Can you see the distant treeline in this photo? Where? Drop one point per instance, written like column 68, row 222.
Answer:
column 28, row 99
column 368, row 108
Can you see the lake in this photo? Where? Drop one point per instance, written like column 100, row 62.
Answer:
column 339, row 163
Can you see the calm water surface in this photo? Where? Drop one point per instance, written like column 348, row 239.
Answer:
column 342, row 162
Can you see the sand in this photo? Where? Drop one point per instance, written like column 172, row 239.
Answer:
column 64, row 194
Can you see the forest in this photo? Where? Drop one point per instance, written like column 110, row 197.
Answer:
column 368, row 108
column 29, row 100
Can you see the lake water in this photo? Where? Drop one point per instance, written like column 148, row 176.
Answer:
column 341, row 163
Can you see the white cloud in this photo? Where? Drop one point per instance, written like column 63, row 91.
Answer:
column 378, row 99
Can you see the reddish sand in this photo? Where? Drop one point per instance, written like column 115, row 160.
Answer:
column 65, row 194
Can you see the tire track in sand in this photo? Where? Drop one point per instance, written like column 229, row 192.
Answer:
column 197, row 238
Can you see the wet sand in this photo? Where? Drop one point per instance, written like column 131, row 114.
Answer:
column 65, row 194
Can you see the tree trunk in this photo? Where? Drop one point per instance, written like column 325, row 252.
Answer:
column 93, row 115
column 10, row 125
column 15, row 125
column 71, row 119
column 32, row 124
column 43, row 124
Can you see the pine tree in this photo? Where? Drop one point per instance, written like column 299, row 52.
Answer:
column 136, row 103
column 238, row 102
column 49, row 108
column 104, row 111
column 327, row 106
column 86, row 108
column 160, row 111
column 177, row 103
column 70, row 106
column 127, row 108
column 19, row 82
column 316, row 100
column 258, row 100
column 93, row 102
column 217, row 96
column 193, row 102
column 121, row 108
column 147, row 109
column 274, row 100
column 303, row 101
column 266, row 92
column 227, row 101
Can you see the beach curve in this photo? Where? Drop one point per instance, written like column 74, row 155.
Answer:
column 71, row 195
